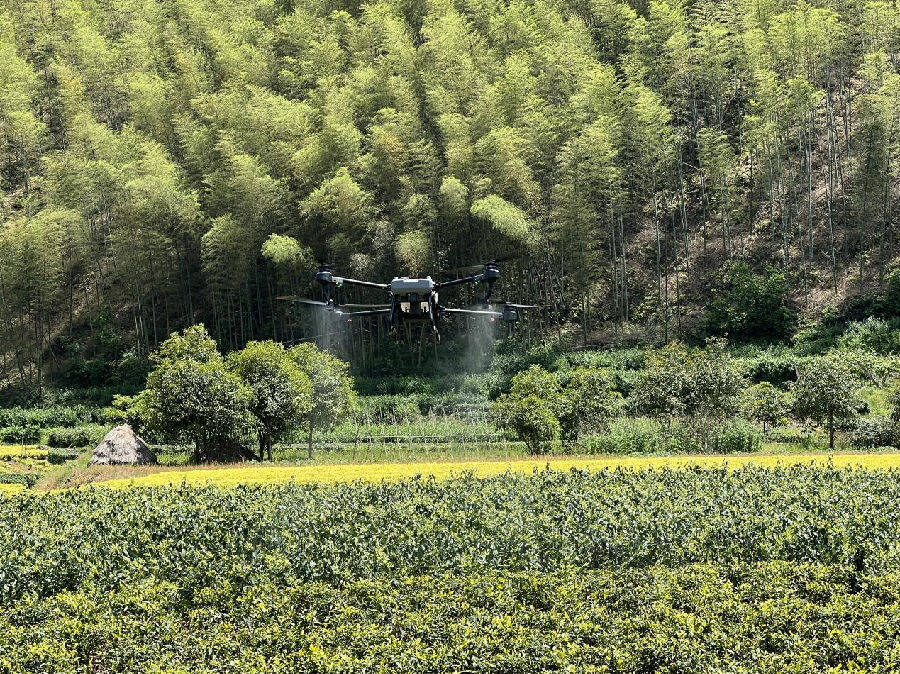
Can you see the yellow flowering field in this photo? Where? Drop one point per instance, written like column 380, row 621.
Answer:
column 6, row 489
column 396, row 471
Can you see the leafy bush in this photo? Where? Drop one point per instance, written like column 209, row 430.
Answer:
column 558, row 571
column 389, row 409
column 826, row 393
column 280, row 392
column 688, row 382
column 869, row 433
column 527, row 623
column 752, row 306
column 531, row 419
column 60, row 456
column 628, row 435
column 198, row 537
column 774, row 365
column 570, row 620
column 47, row 417
column 766, row 404
column 72, row 437
column 27, row 479
column 895, row 402
column 588, row 401
column 20, row 434
column 737, row 436
column 872, row 334
column 192, row 397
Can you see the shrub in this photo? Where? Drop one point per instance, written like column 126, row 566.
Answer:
column 531, row 419
column 27, row 479
column 71, row 437
column 390, row 409
column 192, row 397
column 333, row 395
column 628, row 435
column 280, row 393
column 777, row 366
column 59, row 456
column 46, row 417
column 752, row 305
column 872, row 432
column 692, row 382
column 872, row 334
column 737, row 436
column 895, row 402
column 20, row 434
column 588, row 401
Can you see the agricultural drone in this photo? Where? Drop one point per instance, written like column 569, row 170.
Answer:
column 416, row 299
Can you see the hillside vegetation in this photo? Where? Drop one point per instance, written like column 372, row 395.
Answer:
column 170, row 162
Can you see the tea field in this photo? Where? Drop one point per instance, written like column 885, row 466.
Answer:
column 689, row 569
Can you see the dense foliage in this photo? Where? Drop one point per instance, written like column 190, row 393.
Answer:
column 297, row 533
column 195, row 395
column 768, row 617
column 763, row 569
column 181, row 161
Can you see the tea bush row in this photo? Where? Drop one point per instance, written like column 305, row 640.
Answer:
column 63, row 416
column 766, row 617
column 196, row 536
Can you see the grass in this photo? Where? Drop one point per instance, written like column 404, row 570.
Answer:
column 231, row 475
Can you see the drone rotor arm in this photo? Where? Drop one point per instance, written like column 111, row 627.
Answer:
column 458, row 281
column 474, row 312
column 372, row 312
column 302, row 300
column 339, row 281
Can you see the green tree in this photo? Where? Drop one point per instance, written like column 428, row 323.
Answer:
column 766, row 404
column 333, row 397
column 703, row 385
column 280, row 392
column 191, row 396
column 826, row 392
column 532, row 407
column 589, row 401
column 751, row 305
column 661, row 388
column 531, row 419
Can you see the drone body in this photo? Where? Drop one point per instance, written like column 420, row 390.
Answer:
column 415, row 299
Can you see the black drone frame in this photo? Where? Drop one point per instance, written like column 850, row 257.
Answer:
column 489, row 275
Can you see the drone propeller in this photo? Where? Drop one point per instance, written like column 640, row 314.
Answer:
column 503, row 303
column 495, row 305
column 474, row 312
column 475, row 268
column 303, row 300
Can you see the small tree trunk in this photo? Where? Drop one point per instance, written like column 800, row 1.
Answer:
column 309, row 440
column 831, row 431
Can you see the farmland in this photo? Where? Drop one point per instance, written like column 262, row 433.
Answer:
column 376, row 472
column 678, row 509
column 691, row 569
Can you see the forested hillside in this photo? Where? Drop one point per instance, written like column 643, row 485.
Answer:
column 627, row 154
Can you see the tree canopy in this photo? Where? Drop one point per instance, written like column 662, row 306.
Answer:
column 187, row 161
